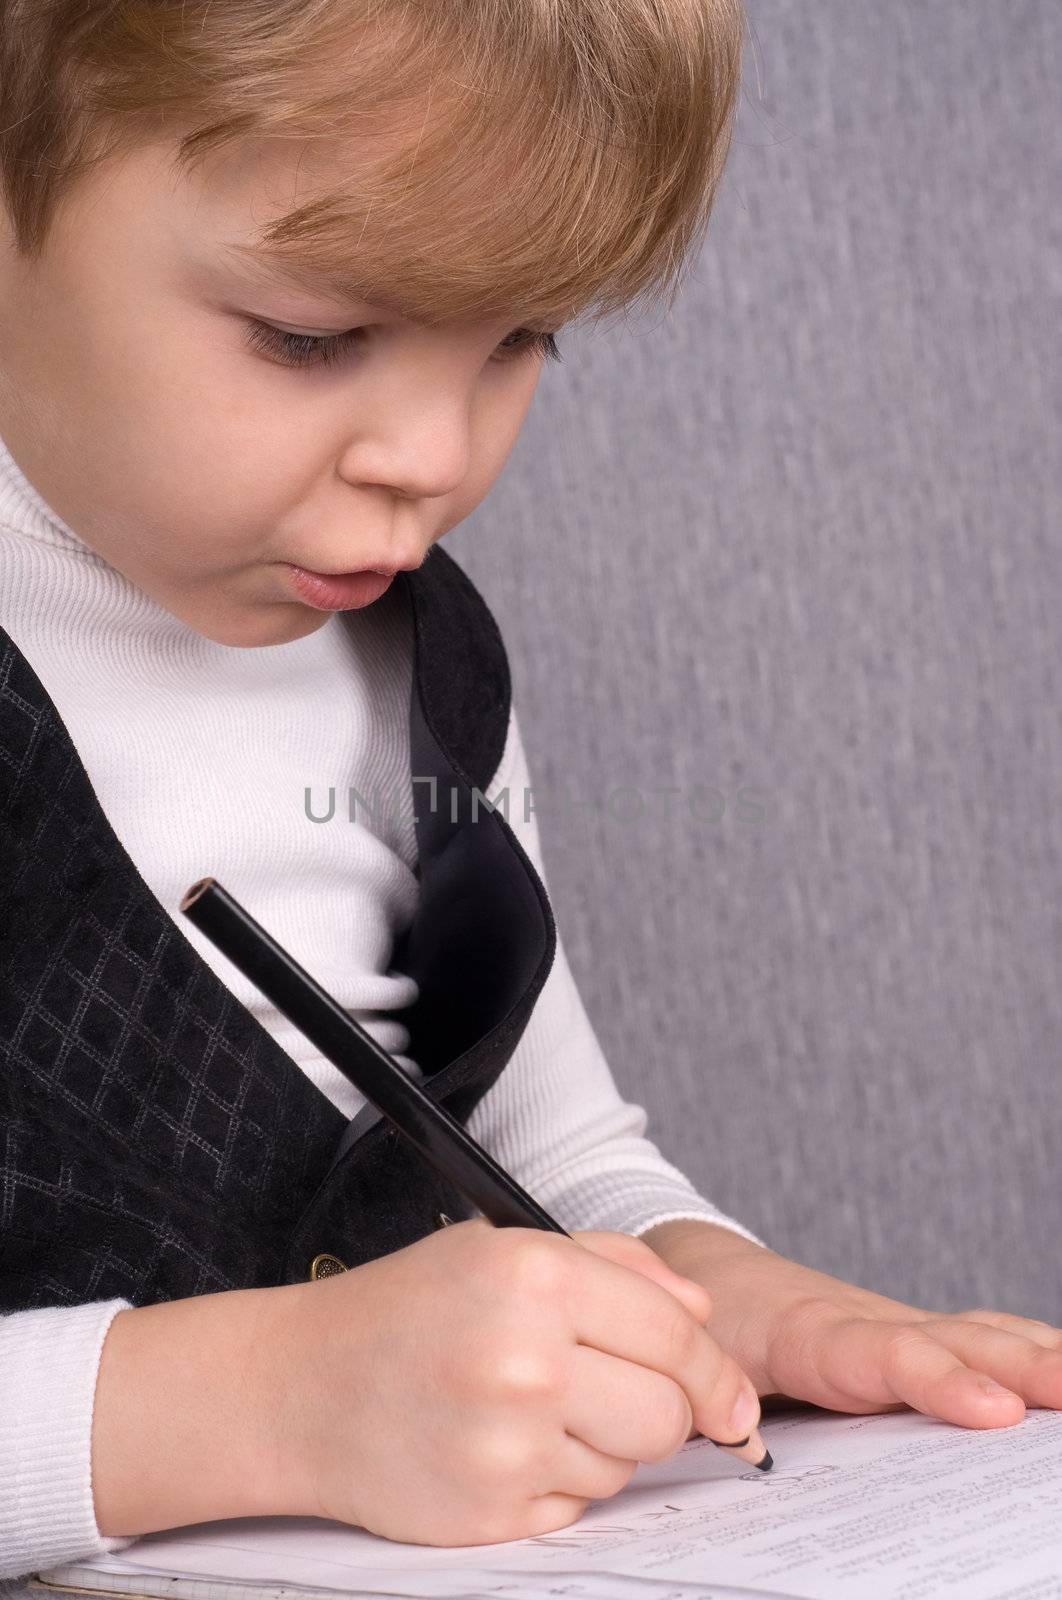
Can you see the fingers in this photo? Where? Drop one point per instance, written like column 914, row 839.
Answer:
column 624, row 1314
column 963, row 1372
column 925, row 1374
column 589, row 1474
column 1030, row 1370
column 632, row 1253
column 546, row 1514
column 1042, row 1333
column 631, row 1413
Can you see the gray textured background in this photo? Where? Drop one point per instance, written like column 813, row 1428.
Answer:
column 794, row 551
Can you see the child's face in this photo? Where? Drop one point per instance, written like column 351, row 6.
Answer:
column 197, row 466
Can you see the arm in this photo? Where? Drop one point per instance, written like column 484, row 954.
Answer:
column 394, row 1397
column 182, row 1429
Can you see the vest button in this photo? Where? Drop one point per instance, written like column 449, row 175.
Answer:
column 325, row 1266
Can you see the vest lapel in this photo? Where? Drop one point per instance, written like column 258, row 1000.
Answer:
column 483, row 938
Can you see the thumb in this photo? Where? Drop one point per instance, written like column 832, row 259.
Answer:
column 626, row 1251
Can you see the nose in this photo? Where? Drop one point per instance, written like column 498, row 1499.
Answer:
column 418, row 443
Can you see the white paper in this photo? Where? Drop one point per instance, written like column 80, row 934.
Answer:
column 897, row 1506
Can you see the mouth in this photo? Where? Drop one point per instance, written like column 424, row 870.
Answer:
column 385, row 572
column 340, row 591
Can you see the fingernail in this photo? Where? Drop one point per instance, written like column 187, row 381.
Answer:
column 746, row 1411
column 753, row 1450
column 990, row 1386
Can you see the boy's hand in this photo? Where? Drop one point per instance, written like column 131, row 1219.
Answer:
column 485, row 1383
column 804, row 1335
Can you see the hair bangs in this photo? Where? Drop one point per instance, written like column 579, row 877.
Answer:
column 540, row 160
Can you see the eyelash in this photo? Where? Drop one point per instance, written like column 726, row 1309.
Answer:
column 317, row 350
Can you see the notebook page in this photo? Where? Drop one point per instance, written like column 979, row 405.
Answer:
column 525, row 1586
column 889, row 1507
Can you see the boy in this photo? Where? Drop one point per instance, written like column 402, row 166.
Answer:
column 194, row 428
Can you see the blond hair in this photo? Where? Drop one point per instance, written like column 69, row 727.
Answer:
column 537, row 157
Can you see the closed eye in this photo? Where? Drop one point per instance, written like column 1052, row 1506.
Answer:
column 316, row 350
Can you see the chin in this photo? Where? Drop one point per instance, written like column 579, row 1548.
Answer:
column 257, row 630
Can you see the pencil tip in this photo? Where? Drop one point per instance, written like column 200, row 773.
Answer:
column 767, row 1463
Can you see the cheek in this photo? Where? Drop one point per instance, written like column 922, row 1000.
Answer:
column 506, row 415
column 497, row 416
column 178, row 382
column 500, row 409
column 224, row 456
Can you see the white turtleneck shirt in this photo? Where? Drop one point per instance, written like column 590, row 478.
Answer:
column 209, row 758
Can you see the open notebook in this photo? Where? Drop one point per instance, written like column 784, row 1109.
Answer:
column 897, row 1506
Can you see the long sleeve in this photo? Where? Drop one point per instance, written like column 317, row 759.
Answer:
column 555, row 1117
column 49, row 1361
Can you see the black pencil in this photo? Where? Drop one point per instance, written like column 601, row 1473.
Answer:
column 441, row 1140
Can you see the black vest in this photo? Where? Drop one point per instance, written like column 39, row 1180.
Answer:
column 155, row 1140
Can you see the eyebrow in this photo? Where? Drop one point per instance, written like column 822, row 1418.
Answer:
column 344, row 287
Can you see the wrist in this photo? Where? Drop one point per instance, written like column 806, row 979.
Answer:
column 182, row 1425
column 704, row 1245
